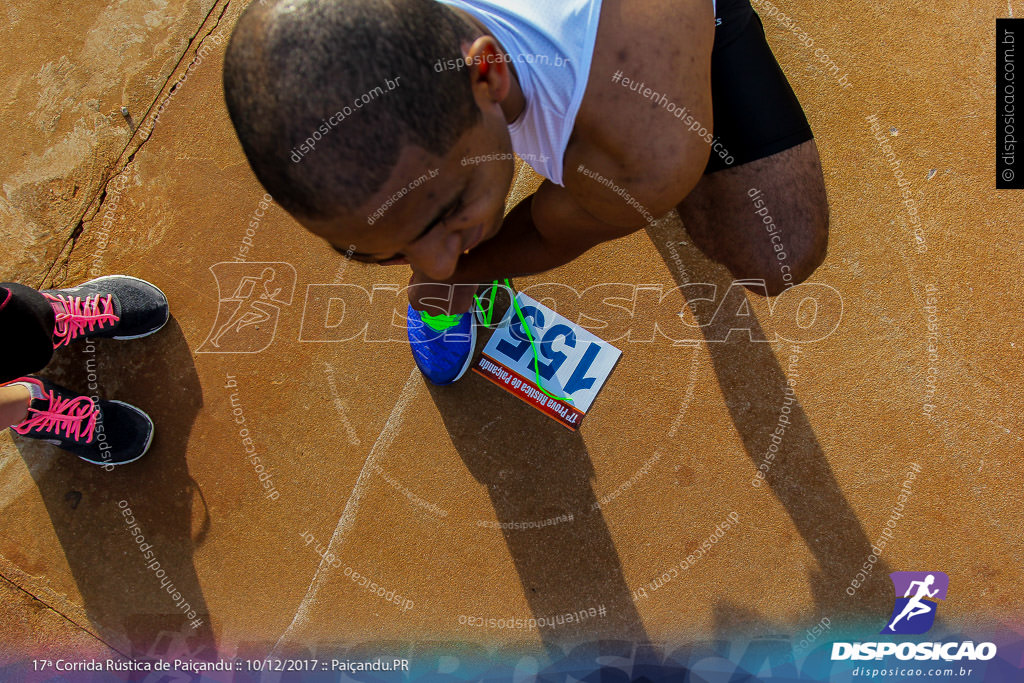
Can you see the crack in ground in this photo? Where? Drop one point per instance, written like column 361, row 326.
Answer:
column 62, row 615
column 60, row 262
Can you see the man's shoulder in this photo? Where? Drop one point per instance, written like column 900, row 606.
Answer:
column 649, row 84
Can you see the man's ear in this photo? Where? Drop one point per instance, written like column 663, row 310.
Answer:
column 489, row 72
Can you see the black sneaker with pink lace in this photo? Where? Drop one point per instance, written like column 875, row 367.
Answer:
column 101, row 432
column 117, row 306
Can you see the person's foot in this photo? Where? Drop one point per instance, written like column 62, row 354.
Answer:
column 117, row 306
column 442, row 345
column 101, row 432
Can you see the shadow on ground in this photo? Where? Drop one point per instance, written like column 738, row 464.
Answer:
column 535, row 469
column 800, row 477
column 132, row 608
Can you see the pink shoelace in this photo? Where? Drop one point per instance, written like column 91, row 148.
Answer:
column 76, row 316
column 75, row 416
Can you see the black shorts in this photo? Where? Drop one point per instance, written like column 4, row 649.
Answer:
column 756, row 113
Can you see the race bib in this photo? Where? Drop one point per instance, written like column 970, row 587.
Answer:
column 572, row 362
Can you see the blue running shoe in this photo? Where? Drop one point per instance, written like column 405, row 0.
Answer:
column 442, row 345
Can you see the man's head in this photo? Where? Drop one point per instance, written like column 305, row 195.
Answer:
column 350, row 125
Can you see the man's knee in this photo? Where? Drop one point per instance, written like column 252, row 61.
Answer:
column 798, row 259
column 810, row 254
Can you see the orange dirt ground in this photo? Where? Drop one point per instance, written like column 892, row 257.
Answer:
column 405, row 483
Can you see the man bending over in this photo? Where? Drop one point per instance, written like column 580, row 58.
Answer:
column 359, row 117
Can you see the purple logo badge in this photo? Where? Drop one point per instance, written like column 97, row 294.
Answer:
column 916, row 595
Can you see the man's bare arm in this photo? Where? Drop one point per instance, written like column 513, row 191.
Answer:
column 547, row 230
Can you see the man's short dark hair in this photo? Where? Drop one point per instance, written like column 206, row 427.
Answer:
column 324, row 94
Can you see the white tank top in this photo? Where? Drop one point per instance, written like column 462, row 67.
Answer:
column 551, row 45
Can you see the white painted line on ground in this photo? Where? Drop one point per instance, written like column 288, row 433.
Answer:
column 348, row 516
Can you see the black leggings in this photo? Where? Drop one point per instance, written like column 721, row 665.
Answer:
column 756, row 113
column 26, row 331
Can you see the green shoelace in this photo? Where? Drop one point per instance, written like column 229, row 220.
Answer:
column 440, row 323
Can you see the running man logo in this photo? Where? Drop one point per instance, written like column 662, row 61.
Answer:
column 250, row 296
column 914, row 613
